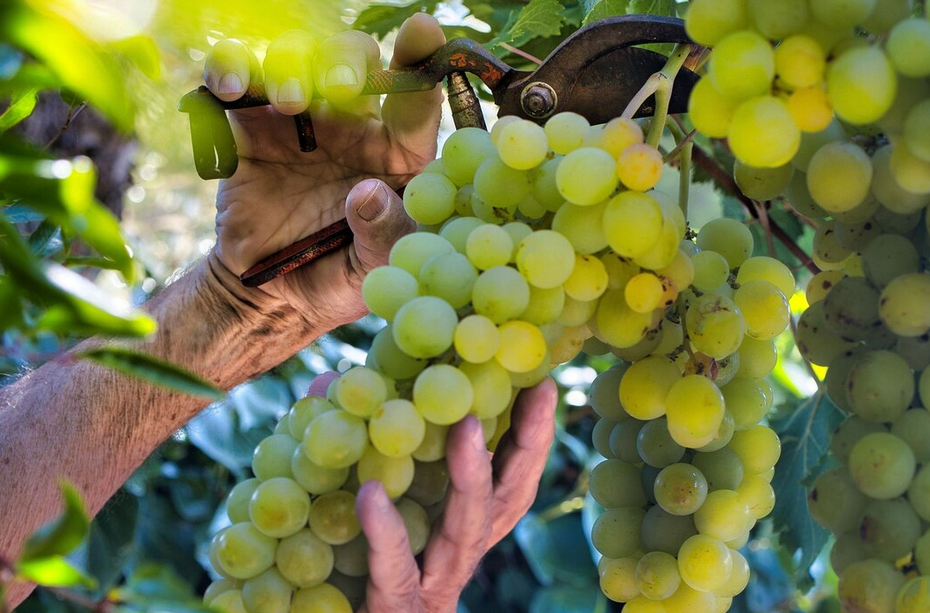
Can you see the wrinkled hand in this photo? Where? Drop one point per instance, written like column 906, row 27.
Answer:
column 487, row 496
column 279, row 194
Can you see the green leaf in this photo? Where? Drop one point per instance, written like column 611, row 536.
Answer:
column 565, row 599
column 63, row 534
column 82, row 65
column 538, row 19
column 380, row 19
column 46, row 239
column 805, row 442
column 54, row 571
column 605, row 9
column 142, row 51
column 21, row 107
column 110, row 538
column 64, row 191
column 665, row 8
column 151, row 369
column 555, row 549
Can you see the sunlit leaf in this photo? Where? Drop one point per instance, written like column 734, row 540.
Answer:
column 539, row 18
column 54, row 571
column 82, row 65
column 153, row 370
column 379, row 19
column 21, row 107
column 63, row 190
column 61, row 535
column 605, row 9
column 142, row 51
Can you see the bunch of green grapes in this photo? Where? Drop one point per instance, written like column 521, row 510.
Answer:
column 294, row 543
column 688, row 462
column 532, row 240
column 780, row 70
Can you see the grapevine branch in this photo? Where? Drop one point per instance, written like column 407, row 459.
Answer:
column 729, row 185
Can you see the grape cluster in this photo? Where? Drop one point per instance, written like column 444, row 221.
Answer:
column 857, row 162
column 782, row 69
column 689, row 465
column 533, row 241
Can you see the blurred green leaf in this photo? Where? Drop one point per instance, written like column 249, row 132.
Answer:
column 82, row 65
column 566, row 599
column 142, row 51
column 64, row 191
column 17, row 213
column 151, row 369
column 110, row 538
column 379, row 19
column 80, row 307
column 555, row 549
column 21, row 107
column 805, row 442
column 605, row 9
column 156, row 587
column 665, row 8
column 54, row 571
column 63, row 534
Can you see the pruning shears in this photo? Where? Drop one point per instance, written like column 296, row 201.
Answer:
column 595, row 72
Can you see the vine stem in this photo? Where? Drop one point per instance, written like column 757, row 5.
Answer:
column 725, row 181
column 660, row 84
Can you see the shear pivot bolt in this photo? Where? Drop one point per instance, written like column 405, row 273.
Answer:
column 538, row 100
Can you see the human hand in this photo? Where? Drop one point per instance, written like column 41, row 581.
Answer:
column 488, row 495
column 279, row 194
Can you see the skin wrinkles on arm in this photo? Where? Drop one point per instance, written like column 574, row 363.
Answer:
column 93, row 426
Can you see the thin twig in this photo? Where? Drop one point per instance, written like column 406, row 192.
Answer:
column 95, row 606
column 72, row 113
column 766, row 222
column 522, row 54
column 729, row 185
column 668, row 157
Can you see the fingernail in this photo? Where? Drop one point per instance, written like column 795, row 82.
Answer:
column 375, row 204
column 341, row 75
column 229, row 84
column 477, row 433
column 290, row 91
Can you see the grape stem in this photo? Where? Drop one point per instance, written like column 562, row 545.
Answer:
column 521, row 53
column 683, row 148
column 660, row 84
column 726, row 182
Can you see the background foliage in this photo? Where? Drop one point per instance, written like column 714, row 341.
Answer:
column 90, row 88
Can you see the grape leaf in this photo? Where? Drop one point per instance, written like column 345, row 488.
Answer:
column 61, row 535
column 665, row 8
column 805, row 442
column 379, row 19
column 605, row 9
column 54, row 571
column 153, row 370
column 538, row 19
column 21, row 107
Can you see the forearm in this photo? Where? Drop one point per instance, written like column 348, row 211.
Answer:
column 73, row 420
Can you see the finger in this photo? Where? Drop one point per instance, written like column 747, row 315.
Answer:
column 394, row 577
column 321, row 383
column 230, row 68
column 413, row 118
column 521, row 457
column 377, row 218
column 342, row 64
column 454, row 551
column 288, row 71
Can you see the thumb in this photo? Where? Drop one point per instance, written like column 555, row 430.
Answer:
column 377, row 218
